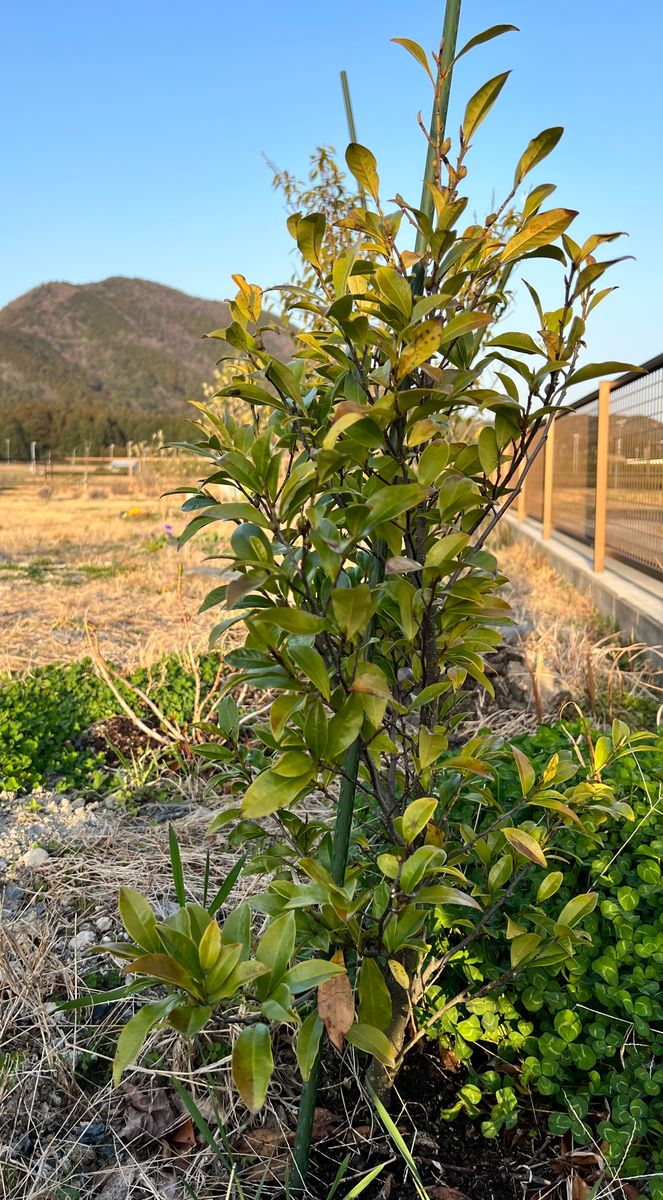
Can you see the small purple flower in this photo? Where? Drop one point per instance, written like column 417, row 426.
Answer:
column 169, row 531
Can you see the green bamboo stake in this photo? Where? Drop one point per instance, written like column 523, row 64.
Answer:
column 439, row 117
column 348, row 788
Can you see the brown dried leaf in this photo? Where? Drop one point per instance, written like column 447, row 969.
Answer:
column 264, row 1142
column 442, row 1192
column 449, row 1060
column 184, row 1137
column 153, row 1114
column 579, row 1188
column 336, row 1006
column 324, row 1122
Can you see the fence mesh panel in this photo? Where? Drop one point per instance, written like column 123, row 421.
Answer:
column 574, row 491
column 534, row 488
column 634, row 521
column 634, row 524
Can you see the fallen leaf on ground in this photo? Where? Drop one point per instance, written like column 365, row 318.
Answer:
column 154, row 1114
column 184, row 1137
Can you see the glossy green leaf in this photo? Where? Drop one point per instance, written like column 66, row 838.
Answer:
column 253, row 1065
column 595, row 370
column 292, row 620
column 549, row 886
column 275, row 948
column 138, row 919
column 310, row 974
column 372, row 1041
column 524, row 947
column 271, row 791
column 352, row 608
column 374, row 997
column 486, row 36
column 308, row 1043
column 135, row 1033
column 577, row 908
column 313, row 666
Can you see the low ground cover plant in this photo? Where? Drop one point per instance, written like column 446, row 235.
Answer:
column 584, row 1044
column 45, row 715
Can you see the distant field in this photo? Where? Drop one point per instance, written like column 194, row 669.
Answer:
column 102, row 552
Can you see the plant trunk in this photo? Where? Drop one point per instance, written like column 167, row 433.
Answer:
column 381, row 1077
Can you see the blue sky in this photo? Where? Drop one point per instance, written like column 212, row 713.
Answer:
column 132, row 131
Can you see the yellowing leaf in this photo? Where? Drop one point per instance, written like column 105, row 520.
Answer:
column 481, row 103
column 399, row 973
column 424, row 342
column 417, row 53
column 363, row 166
column 210, row 946
column 417, row 815
column 538, row 149
column 526, row 845
column 162, row 967
column 540, row 230
column 526, row 771
column 523, row 947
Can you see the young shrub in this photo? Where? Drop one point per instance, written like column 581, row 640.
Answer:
column 364, row 498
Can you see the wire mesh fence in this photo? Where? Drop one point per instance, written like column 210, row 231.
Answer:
column 634, row 497
column 634, row 521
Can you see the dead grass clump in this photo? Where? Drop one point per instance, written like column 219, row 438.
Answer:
column 569, row 652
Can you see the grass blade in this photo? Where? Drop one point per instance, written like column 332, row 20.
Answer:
column 200, row 1122
column 227, row 886
column 400, row 1144
column 364, row 1182
column 206, row 880
column 176, row 866
column 339, row 1176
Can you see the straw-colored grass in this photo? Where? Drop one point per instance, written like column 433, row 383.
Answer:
column 88, row 555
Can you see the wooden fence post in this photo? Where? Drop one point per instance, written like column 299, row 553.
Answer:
column 601, row 504
column 548, row 480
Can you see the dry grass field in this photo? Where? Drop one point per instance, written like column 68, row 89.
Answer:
column 104, row 554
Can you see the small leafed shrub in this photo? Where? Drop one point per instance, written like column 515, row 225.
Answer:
column 586, row 1039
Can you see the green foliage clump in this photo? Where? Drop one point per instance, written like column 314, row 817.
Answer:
column 41, row 718
column 587, row 1040
column 44, row 715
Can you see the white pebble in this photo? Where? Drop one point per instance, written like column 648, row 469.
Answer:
column 82, row 940
column 35, row 857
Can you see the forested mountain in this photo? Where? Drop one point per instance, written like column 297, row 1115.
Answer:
column 103, row 362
